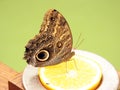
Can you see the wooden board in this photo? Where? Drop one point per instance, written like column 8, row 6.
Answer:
column 16, row 82
column 7, row 74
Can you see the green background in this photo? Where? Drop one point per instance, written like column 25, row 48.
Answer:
column 97, row 20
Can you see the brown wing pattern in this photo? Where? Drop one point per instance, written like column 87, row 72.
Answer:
column 53, row 44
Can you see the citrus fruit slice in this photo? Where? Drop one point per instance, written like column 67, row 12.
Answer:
column 79, row 73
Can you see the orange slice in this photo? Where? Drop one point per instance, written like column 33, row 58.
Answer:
column 79, row 73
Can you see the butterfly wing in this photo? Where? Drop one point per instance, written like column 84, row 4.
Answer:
column 53, row 44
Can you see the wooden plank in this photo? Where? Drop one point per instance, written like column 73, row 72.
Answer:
column 3, row 83
column 16, row 82
column 5, row 74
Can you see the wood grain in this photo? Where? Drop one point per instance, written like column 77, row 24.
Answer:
column 16, row 82
column 8, row 77
column 5, row 74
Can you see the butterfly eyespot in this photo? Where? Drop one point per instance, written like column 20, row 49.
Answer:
column 52, row 19
column 54, row 10
column 42, row 55
column 59, row 44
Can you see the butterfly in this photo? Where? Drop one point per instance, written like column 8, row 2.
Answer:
column 53, row 43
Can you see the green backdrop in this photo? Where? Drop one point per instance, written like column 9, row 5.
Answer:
column 97, row 20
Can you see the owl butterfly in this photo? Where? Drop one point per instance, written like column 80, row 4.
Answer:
column 53, row 43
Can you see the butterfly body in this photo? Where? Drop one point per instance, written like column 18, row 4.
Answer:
column 53, row 44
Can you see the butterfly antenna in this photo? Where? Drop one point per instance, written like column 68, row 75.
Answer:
column 79, row 42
